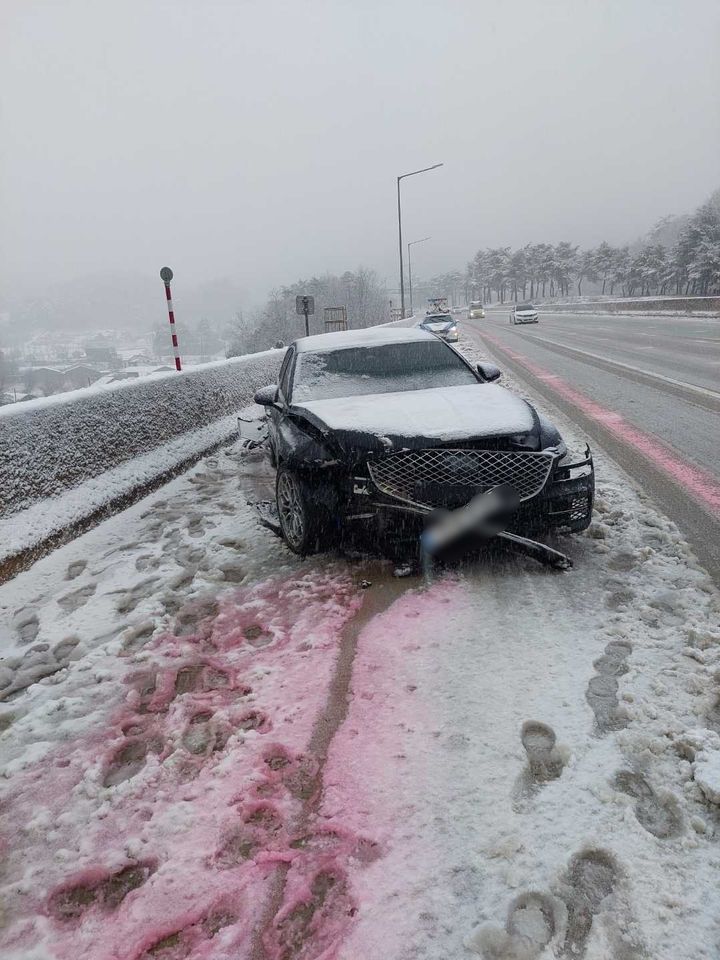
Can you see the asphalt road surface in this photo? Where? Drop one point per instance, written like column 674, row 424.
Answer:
column 646, row 388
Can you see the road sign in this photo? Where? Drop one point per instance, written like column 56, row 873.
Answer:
column 335, row 319
column 166, row 274
column 305, row 305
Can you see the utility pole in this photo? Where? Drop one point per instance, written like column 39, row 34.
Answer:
column 411, row 244
column 402, row 176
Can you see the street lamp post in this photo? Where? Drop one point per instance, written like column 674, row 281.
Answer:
column 402, row 176
column 412, row 244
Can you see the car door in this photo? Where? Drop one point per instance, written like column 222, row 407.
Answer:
column 278, row 413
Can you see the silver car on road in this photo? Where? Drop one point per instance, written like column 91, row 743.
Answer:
column 524, row 313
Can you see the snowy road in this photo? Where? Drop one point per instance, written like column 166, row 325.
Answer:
column 646, row 388
column 684, row 349
column 212, row 749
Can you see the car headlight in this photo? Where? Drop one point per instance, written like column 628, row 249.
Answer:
column 523, row 441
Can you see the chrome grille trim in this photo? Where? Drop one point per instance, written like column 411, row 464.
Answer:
column 397, row 474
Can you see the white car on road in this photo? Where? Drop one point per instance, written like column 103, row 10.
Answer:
column 524, row 313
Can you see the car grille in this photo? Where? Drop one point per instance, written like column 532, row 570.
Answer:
column 446, row 477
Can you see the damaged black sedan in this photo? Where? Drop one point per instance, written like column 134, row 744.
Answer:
column 377, row 430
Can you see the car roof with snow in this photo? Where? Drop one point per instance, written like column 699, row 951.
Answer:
column 370, row 337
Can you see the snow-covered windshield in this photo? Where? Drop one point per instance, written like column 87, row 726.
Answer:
column 525, row 306
column 389, row 368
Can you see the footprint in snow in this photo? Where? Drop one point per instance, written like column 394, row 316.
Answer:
column 619, row 598
column 233, row 572
column 200, row 677
column 137, row 636
column 192, row 939
column 75, row 569
column 260, row 828
column 27, row 625
column 126, row 763
column 196, row 616
column 602, row 691
column 535, row 920
column 129, row 599
column 72, row 900
column 590, row 880
column 204, row 736
column 660, row 816
column 545, row 760
column 77, row 598
column 197, row 525
column 187, row 555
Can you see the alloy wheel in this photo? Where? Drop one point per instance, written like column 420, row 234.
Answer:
column 290, row 509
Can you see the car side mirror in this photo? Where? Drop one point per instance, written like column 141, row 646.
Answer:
column 488, row 371
column 267, row 396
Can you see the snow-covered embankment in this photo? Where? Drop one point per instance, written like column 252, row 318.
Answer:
column 64, row 458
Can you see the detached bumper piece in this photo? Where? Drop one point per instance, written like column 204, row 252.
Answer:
column 268, row 516
column 453, row 533
column 538, row 551
column 571, row 496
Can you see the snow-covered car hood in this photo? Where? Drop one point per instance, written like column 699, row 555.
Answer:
column 443, row 413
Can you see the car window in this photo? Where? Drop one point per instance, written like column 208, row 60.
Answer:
column 284, row 378
column 441, row 318
column 389, row 368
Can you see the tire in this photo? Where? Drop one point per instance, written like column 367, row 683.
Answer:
column 305, row 525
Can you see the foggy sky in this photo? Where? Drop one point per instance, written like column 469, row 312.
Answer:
column 260, row 141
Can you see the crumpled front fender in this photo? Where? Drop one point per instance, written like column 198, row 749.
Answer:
column 301, row 445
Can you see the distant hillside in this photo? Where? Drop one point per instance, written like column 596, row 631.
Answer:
column 129, row 302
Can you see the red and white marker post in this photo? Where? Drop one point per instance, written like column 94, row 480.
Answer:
column 166, row 276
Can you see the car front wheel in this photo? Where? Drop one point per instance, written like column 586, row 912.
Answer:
column 305, row 525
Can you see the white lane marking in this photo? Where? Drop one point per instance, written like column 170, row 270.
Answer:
column 703, row 391
column 658, row 318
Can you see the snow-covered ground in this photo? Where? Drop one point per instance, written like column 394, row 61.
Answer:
column 212, row 749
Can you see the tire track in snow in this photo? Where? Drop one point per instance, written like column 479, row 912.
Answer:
column 310, row 907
